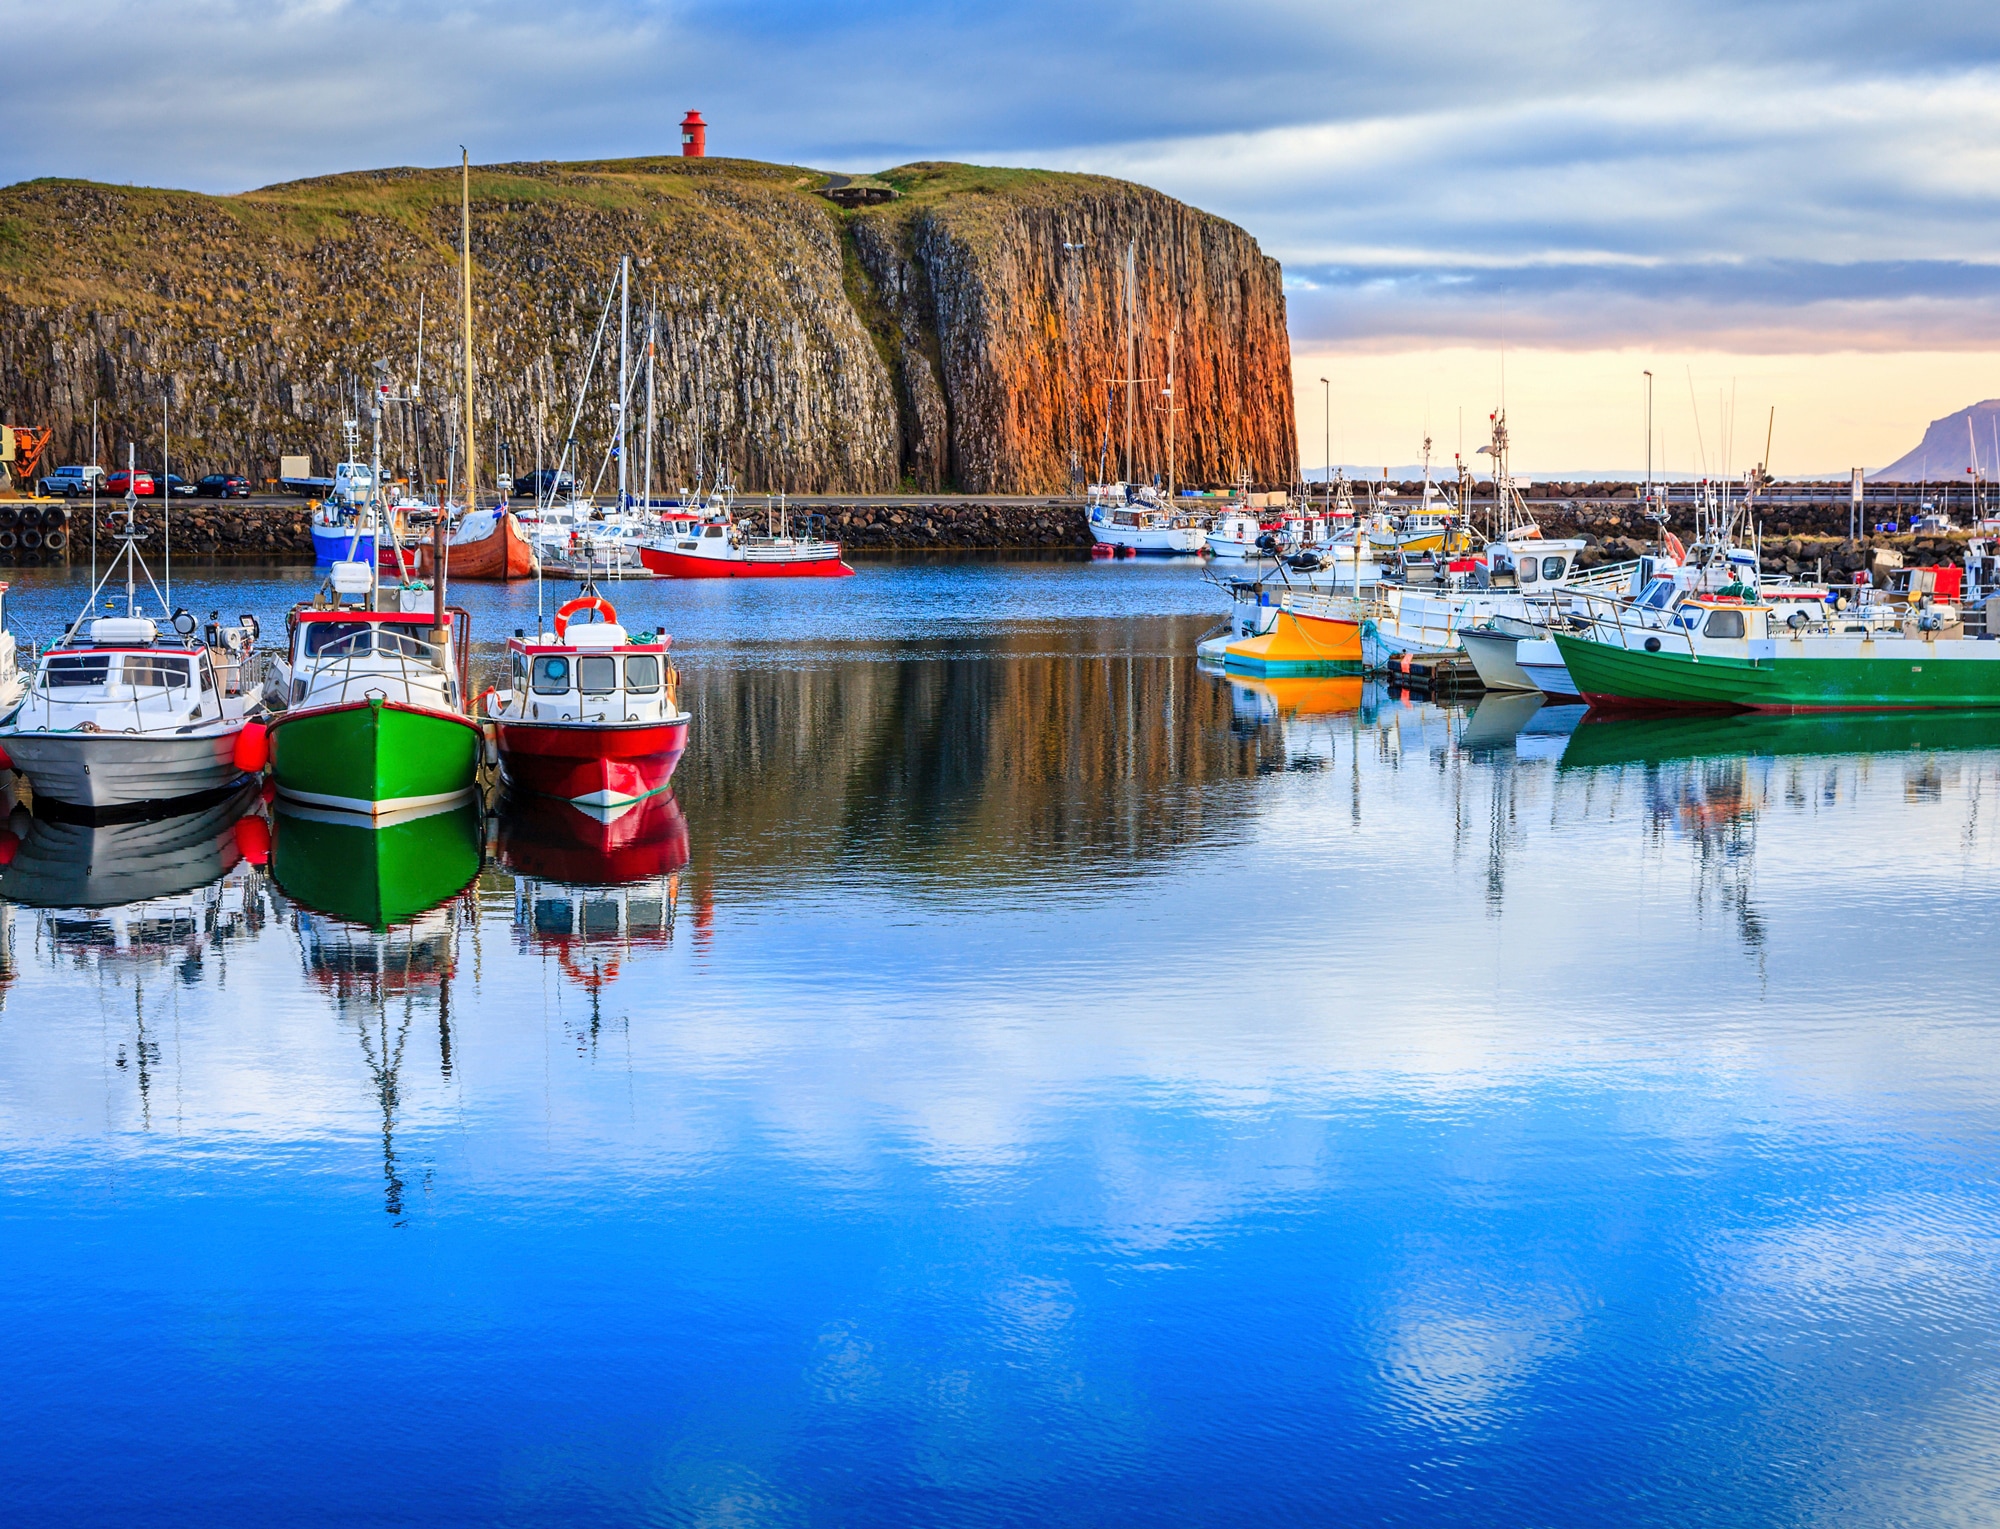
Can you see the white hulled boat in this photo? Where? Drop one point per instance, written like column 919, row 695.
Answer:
column 122, row 717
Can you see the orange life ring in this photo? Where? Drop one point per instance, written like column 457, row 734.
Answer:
column 582, row 603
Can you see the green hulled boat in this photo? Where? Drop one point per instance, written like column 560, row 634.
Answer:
column 1729, row 656
column 376, row 723
column 375, row 873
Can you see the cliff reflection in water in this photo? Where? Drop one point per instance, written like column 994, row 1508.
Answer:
column 981, row 760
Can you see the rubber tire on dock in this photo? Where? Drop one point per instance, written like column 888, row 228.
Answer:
column 55, row 539
column 10, row 516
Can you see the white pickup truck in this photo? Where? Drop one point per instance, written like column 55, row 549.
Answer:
column 68, row 482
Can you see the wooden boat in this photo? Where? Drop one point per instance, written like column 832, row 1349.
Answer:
column 591, row 714
column 489, row 545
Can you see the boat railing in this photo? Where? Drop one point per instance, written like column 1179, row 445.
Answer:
column 394, row 663
column 1332, row 606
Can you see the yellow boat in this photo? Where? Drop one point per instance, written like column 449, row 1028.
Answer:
column 1301, row 640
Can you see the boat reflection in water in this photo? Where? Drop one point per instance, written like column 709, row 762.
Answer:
column 149, row 891
column 590, row 890
column 1607, row 741
column 1300, row 698
column 375, row 874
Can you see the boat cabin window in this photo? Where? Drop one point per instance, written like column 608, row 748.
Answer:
column 335, row 637
column 1724, row 624
column 551, row 676
column 84, row 669
column 642, row 673
column 1527, row 570
column 155, row 671
column 597, row 676
column 1656, row 594
column 712, row 531
column 520, row 672
column 1552, row 567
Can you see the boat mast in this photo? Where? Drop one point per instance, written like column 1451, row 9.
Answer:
column 465, row 285
column 1131, row 352
column 624, row 371
column 652, row 345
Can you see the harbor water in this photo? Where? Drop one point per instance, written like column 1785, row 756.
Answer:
column 1019, row 1077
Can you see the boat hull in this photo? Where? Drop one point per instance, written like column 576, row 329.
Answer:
column 1297, row 643
column 680, row 565
column 374, row 757
column 338, row 544
column 1895, row 673
column 103, row 772
column 609, row 765
column 1496, row 658
column 503, row 554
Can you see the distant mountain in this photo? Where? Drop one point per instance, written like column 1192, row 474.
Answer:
column 1951, row 445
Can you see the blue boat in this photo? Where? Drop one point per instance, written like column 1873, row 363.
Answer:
column 341, row 536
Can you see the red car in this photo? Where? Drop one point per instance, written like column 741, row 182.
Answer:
column 141, row 483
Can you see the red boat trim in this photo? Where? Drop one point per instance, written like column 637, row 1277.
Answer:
column 421, row 711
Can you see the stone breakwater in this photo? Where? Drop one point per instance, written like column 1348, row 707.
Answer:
column 1797, row 539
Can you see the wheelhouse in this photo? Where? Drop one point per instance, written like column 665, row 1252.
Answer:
column 596, row 675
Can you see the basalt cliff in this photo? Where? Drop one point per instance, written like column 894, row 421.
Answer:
column 965, row 336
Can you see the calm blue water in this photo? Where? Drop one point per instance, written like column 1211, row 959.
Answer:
column 1047, row 1084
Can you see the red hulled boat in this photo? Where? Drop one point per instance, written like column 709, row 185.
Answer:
column 715, row 546
column 591, row 714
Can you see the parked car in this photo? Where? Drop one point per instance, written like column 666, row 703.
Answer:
column 223, row 486
column 122, row 481
column 68, row 482
column 545, row 483
column 180, row 487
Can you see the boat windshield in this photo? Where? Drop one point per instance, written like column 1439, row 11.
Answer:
column 151, row 671
column 1656, row 594
column 357, row 639
column 597, row 676
column 642, row 672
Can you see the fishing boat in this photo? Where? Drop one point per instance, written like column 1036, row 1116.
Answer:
column 591, row 713
column 719, row 548
column 376, row 721
column 1236, row 534
column 1133, row 519
column 1728, row 653
column 125, row 718
column 343, row 526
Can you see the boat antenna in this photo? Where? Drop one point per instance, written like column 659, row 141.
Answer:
column 465, row 284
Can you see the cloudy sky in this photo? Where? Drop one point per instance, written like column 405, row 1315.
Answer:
column 1791, row 205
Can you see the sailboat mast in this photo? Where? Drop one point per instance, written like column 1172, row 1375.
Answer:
column 1131, row 353
column 652, row 327
column 465, row 284
column 624, row 372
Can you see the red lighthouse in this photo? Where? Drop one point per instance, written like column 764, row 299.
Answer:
column 694, row 136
